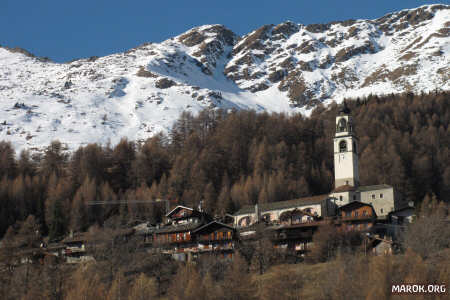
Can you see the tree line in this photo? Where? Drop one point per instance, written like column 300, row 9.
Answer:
column 225, row 160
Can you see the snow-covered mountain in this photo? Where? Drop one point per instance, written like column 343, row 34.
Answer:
column 278, row 68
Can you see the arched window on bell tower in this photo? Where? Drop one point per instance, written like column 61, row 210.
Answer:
column 342, row 146
column 342, row 125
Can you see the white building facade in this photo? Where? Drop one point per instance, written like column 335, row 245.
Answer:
column 345, row 151
column 346, row 173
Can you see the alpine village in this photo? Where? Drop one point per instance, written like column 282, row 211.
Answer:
column 188, row 232
column 293, row 162
column 351, row 222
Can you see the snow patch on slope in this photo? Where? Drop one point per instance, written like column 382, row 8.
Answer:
column 277, row 68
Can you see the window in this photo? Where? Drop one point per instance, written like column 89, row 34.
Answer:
column 381, row 196
column 341, row 198
column 348, row 214
column 342, row 146
column 373, row 196
column 381, row 210
column 244, row 221
column 342, row 125
column 356, row 213
column 354, row 197
column 364, row 213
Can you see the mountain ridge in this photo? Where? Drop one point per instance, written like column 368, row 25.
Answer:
column 287, row 67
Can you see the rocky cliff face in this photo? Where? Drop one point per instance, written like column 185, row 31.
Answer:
column 323, row 61
column 284, row 68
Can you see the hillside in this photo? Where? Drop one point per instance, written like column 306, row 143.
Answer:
column 277, row 68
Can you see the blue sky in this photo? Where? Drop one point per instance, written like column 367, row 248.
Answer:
column 65, row 30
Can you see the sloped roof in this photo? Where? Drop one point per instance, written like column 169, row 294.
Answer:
column 344, row 188
column 178, row 228
column 211, row 224
column 263, row 207
column 178, row 207
column 373, row 187
column 402, row 209
column 353, row 205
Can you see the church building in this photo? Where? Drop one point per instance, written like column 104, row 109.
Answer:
column 347, row 188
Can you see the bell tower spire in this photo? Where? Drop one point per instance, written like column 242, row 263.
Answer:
column 345, row 150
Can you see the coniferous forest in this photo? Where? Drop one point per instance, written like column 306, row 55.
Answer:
column 225, row 160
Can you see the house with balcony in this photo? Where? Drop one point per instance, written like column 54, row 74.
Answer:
column 215, row 237
column 175, row 236
column 356, row 216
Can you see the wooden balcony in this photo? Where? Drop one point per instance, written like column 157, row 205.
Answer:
column 356, row 218
column 209, row 239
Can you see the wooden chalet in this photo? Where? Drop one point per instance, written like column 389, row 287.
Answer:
column 175, row 237
column 215, row 237
column 298, row 236
column 356, row 216
column 293, row 232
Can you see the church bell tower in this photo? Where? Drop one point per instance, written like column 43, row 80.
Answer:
column 345, row 150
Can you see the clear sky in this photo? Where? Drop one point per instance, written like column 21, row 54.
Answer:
column 64, row 30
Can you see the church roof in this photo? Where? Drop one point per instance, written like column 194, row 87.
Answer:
column 282, row 204
column 373, row 187
column 344, row 188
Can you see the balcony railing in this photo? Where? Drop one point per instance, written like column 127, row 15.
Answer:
column 212, row 239
column 353, row 217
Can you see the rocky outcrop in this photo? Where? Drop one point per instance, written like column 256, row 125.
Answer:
column 164, row 83
column 281, row 68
